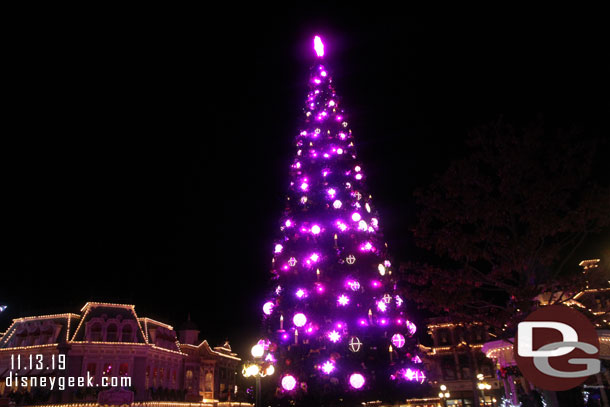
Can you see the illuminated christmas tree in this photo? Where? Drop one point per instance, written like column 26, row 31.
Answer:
column 337, row 328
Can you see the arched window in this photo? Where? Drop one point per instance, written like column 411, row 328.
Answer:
column 112, row 333
column 209, row 381
column 32, row 338
column 189, row 379
column 126, row 334
column 96, row 332
column 45, row 337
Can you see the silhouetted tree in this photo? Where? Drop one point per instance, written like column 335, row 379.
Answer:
column 504, row 224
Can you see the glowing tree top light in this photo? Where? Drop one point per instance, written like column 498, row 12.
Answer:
column 333, row 311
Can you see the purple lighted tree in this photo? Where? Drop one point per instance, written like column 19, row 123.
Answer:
column 336, row 325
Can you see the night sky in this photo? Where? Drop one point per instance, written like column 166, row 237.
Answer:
column 148, row 157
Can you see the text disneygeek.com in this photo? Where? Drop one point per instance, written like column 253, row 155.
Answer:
column 63, row 382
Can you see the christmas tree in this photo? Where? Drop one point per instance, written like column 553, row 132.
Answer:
column 337, row 329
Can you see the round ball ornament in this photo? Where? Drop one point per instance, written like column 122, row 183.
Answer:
column 354, row 344
column 289, row 382
column 387, row 298
column 351, row 259
column 398, row 340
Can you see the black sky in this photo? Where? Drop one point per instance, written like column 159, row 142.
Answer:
column 148, row 158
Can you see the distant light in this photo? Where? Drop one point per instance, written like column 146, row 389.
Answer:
column 318, row 46
column 270, row 370
column 257, row 351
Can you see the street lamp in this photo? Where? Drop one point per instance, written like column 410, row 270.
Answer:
column 258, row 369
column 483, row 386
column 444, row 395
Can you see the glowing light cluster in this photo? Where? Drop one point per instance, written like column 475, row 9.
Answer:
column 328, row 367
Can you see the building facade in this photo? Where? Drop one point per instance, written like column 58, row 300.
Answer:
column 455, row 361
column 108, row 344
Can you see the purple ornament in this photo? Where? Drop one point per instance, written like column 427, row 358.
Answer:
column 356, row 380
column 289, row 382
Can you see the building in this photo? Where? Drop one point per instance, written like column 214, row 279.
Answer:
column 455, row 360
column 110, row 344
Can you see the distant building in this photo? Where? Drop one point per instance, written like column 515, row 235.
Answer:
column 108, row 342
column 455, row 360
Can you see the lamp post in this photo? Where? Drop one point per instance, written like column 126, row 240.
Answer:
column 483, row 386
column 258, row 369
column 444, row 395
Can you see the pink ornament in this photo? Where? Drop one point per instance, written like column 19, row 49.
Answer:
column 268, row 307
column 288, row 382
column 398, row 340
column 299, row 319
column 356, row 380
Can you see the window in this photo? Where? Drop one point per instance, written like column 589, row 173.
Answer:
column 45, row 337
column 123, row 369
column 126, row 334
column 189, row 379
column 91, row 370
column 443, row 336
column 465, row 366
column 112, row 333
column 448, row 366
column 209, row 381
column 96, row 332
column 107, row 371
